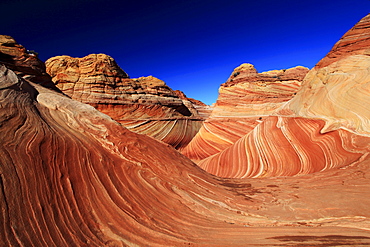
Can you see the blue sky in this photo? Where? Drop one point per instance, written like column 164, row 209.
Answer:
column 192, row 45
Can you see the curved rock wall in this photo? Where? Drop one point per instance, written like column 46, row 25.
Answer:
column 283, row 146
column 244, row 101
column 334, row 96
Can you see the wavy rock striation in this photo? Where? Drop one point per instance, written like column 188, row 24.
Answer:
column 71, row 176
column 283, row 146
column 336, row 89
column 328, row 115
column 145, row 105
column 244, row 101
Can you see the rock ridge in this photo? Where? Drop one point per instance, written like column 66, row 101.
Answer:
column 23, row 62
column 244, row 101
column 145, row 105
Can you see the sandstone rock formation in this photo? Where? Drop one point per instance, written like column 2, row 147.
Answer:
column 24, row 62
column 244, row 101
column 144, row 105
column 287, row 146
column 329, row 114
column 336, row 89
column 355, row 42
column 71, row 176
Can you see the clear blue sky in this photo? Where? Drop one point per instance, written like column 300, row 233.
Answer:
column 192, row 45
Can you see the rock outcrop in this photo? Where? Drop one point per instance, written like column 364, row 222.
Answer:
column 145, row 105
column 355, row 42
column 336, row 89
column 71, row 176
column 244, row 101
column 23, row 62
column 329, row 114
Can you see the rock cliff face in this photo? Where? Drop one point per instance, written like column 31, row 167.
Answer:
column 244, row 101
column 71, row 176
column 329, row 114
column 144, row 105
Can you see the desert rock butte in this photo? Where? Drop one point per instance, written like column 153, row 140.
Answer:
column 145, row 105
column 294, row 171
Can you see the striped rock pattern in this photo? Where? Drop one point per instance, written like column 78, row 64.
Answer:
column 145, row 105
column 283, row 146
column 23, row 62
column 71, row 176
column 337, row 88
column 325, row 126
column 244, row 101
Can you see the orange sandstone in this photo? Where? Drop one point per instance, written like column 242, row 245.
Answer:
column 244, row 101
column 145, row 105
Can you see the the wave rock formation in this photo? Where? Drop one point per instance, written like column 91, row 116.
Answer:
column 72, row 176
column 324, row 126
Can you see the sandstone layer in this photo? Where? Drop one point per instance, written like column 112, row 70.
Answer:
column 244, row 101
column 23, row 62
column 325, row 126
column 355, row 42
column 145, row 105
column 71, row 176
column 336, row 89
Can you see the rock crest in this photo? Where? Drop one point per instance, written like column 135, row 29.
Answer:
column 23, row 62
column 244, row 101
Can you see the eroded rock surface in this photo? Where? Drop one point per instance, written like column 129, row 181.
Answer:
column 145, row 105
column 23, row 62
column 244, row 101
column 329, row 114
column 71, row 176
column 355, row 42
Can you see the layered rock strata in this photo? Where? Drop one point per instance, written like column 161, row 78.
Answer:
column 24, row 62
column 244, row 101
column 336, row 89
column 329, row 114
column 71, row 176
column 144, row 105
